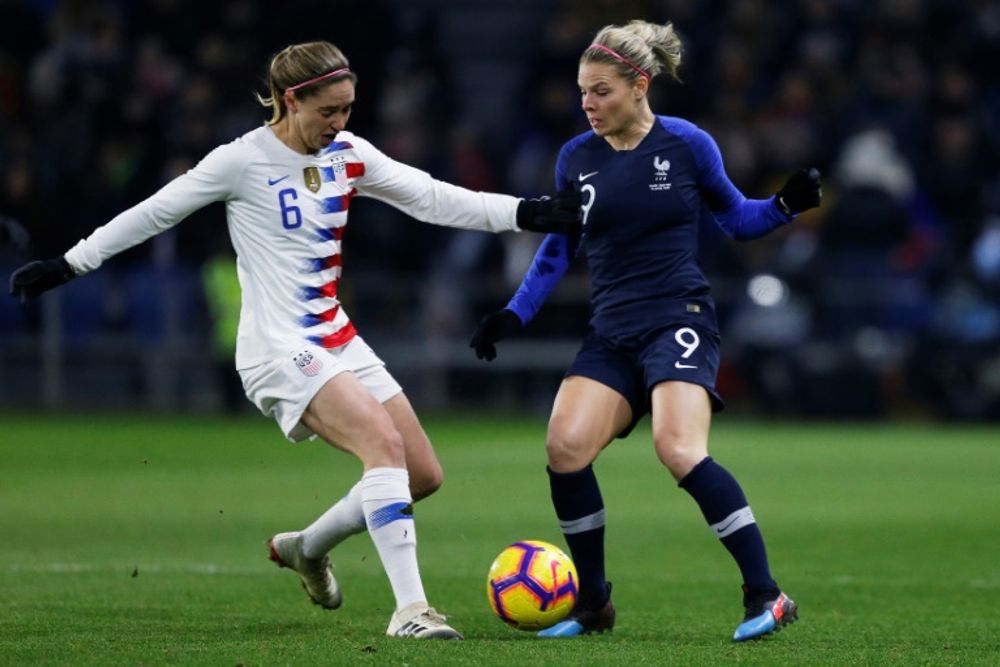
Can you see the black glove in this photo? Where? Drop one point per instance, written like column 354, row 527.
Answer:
column 36, row 277
column 800, row 193
column 493, row 328
column 551, row 215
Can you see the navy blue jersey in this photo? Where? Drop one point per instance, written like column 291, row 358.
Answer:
column 642, row 209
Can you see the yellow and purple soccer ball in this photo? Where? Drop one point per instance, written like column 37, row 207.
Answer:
column 532, row 585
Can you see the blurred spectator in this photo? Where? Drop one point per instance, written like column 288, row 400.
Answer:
column 14, row 238
column 859, row 283
column 222, row 294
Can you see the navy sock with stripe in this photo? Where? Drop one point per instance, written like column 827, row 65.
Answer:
column 580, row 509
column 728, row 514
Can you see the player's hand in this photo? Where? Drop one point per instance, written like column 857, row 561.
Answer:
column 36, row 277
column 493, row 328
column 559, row 214
column 801, row 192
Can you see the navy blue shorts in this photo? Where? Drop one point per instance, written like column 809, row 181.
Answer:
column 683, row 352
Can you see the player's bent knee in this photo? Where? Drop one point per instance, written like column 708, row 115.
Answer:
column 679, row 458
column 567, row 453
column 426, row 480
column 385, row 448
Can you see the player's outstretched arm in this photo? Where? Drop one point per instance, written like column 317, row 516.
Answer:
column 559, row 214
column 747, row 219
column 33, row 278
column 212, row 179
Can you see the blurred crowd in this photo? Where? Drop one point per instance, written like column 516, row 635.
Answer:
column 884, row 301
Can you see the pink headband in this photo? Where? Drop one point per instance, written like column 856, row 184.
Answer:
column 319, row 78
column 621, row 58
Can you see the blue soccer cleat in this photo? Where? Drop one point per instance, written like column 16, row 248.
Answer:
column 765, row 614
column 584, row 621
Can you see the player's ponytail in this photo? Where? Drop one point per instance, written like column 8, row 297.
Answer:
column 639, row 48
column 303, row 68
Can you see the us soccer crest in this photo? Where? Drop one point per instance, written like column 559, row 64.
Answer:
column 309, row 364
column 312, row 179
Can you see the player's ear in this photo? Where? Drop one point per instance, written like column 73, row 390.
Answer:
column 640, row 87
column 290, row 102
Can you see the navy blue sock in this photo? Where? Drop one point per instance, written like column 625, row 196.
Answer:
column 580, row 508
column 727, row 512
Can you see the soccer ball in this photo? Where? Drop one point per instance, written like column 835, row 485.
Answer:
column 532, row 585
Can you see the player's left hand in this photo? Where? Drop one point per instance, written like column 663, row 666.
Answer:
column 559, row 214
column 801, row 192
column 36, row 277
column 493, row 328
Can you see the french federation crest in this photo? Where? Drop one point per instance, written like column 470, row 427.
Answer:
column 312, row 179
column 661, row 172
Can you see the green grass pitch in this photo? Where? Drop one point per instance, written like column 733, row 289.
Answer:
column 140, row 541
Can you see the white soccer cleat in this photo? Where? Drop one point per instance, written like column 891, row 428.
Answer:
column 317, row 579
column 418, row 621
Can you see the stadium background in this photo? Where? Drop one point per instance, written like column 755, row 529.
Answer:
column 883, row 303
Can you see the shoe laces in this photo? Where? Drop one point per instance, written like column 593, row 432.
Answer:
column 432, row 614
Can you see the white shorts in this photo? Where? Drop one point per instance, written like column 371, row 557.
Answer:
column 283, row 388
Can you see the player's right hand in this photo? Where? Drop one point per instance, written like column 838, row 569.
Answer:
column 551, row 215
column 36, row 277
column 493, row 328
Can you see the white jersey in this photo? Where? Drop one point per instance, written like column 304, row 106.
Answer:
column 286, row 214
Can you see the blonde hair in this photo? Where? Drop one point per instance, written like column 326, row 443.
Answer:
column 644, row 47
column 297, row 64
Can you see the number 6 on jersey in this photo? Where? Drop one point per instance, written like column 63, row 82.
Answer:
column 291, row 216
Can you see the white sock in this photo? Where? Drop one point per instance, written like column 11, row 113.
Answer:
column 388, row 507
column 344, row 519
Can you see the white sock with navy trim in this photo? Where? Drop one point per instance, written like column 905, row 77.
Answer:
column 344, row 519
column 388, row 510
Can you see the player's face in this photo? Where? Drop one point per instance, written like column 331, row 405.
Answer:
column 611, row 102
column 317, row 119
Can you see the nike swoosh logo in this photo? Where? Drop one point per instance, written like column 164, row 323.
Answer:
column 678, row 364
column 584, row 176
column 275, row 181
column 720, row 531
